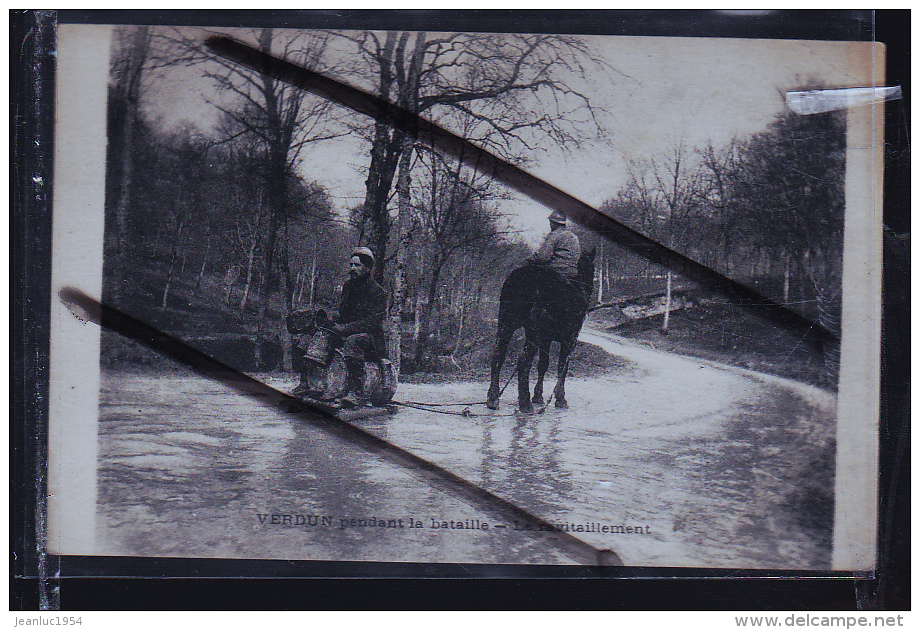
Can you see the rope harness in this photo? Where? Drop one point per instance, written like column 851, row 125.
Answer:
column 466, row 412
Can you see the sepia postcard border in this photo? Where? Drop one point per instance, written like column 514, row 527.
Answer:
column 77, row 247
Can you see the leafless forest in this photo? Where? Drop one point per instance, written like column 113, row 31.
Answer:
column 217, row 235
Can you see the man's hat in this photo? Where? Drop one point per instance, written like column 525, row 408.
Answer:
column 365, row 254
column 557, row 217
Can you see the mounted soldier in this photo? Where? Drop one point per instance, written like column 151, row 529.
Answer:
column 560, row 251
column 548, row 296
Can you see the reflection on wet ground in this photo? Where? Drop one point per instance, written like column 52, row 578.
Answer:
column 682, row 463
column 190, row 469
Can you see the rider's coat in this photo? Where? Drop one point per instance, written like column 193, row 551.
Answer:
column 561, row 250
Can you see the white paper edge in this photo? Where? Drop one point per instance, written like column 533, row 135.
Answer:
column 77, row 232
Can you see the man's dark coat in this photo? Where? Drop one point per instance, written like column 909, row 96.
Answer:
column 362, row 309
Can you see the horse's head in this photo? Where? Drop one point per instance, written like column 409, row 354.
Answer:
column 586, row 270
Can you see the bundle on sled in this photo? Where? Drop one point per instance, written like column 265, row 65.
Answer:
column 326, row 377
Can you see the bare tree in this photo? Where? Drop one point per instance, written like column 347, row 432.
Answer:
column 127, row 71
column 281, row 118
column 718, row 171
column 246, row 210
column 513, row 86
column 403, row 190
column 637, row 205
column 677, row 185
column 181, row 199
column 502, row 90
column 795, row 172
column 790, row 180
column 454, row 218
column 661, row 195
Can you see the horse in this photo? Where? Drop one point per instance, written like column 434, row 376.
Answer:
column 549, row 309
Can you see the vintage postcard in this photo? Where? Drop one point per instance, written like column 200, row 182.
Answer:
column 627, row 315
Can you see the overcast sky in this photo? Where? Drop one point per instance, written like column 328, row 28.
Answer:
column 664, row 90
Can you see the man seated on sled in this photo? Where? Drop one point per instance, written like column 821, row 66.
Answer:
column 359, row 325
column 560, row 251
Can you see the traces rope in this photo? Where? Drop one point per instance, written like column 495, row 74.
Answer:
column 466, row 412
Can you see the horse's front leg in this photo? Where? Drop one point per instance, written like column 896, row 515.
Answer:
column 523, row 370
column 498, row 359
column 565, row 349
column 542, row 366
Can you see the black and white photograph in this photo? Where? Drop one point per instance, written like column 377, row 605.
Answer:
column 429, row 355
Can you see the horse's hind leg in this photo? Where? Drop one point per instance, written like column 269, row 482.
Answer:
column 542, row 366
column 498, row 359
column 523, row 370
column 565, row 349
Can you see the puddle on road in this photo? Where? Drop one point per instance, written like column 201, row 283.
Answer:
column 259, row 484
column 690, row 488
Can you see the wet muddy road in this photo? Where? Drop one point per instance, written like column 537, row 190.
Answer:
column 668, row 461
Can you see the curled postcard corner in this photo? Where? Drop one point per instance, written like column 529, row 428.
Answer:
column 818, row 101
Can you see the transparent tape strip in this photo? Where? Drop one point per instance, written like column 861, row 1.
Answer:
column 818, row 101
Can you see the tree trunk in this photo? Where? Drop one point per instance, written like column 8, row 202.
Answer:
column 417, row 327
column 725, row 239
column 607, row 275
column 313, row 275
column 286, row 362
column 204, row 264
column 174, row 256
column 667, row 307
column 409, row 100
column 459, row 339
column 786, row 278
column 233, row 272
column 250, row 262
column 462, row 308
column 600, row 277
column 421, row 348
column 382, row 167
column 170, row 274
column 121, row 209
column 397, row 304
column 265, row 291
column 169, row 278
column 130, row 84
column 299, row 282
column 276, row 188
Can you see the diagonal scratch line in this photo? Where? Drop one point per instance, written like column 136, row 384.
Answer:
column 514, row 177
column 89, row 309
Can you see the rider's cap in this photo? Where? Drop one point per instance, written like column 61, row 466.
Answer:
column 557, row 217
column 365, row 254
